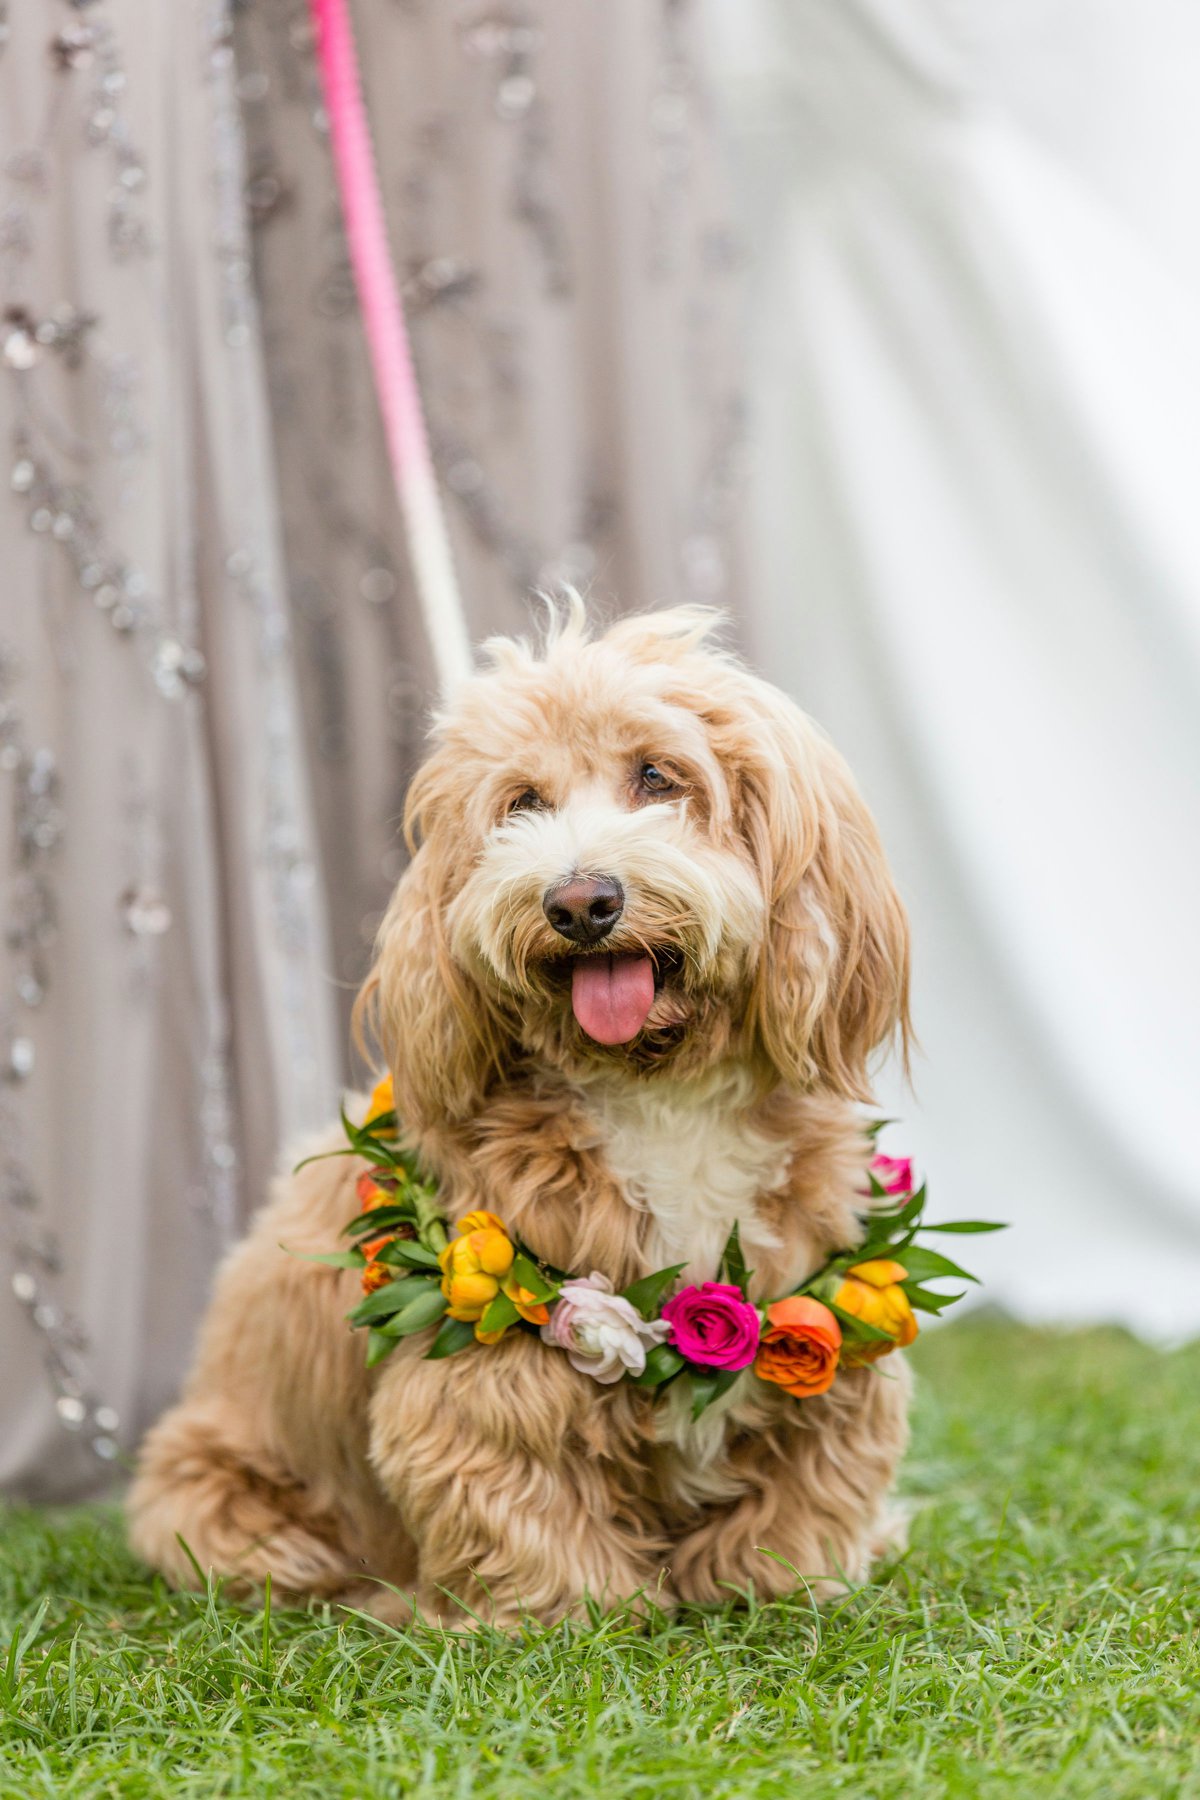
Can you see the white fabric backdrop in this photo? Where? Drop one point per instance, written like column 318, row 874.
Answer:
column 975, row 397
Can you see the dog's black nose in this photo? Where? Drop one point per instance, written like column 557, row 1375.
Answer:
column 585, row 908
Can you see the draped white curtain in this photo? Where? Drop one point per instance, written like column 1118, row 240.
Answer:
column 976, row 403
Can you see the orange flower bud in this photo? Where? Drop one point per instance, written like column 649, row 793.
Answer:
column 376, row 1275
column 371, row 1195
column 369, row 1191
column 527, row 1304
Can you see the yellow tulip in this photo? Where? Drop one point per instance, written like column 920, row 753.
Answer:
column 489, row 1250
column 879, row 1272
column 479, row 1221
column 872, row 1292
column 469, row 1295
column 473, row 1266
column 383, row 1100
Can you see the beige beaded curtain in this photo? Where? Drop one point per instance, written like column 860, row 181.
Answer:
column 565, row 261
column 212, row 678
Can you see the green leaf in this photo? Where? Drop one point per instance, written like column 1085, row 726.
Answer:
column 646, row 1294
column 378, row 1220
column 900, row 1246
column 530, row 1277
column 378, row 1346
column 385, row 1125
column 423, row 1309
column 708, row 1385
column 408, row 1251
column 889, row 1220
column 926, row 1301
column 373, row 1149
column 890, row 1245
column 913, row 1208
column 858, row 1327
column 499, row 1313
column 662, row 1363
column 323, row 1156
column 336, row 1259
column 389, row 1253
column 923, row 1264
column 875, row 1126
column 354, row 1133
column 381, row 1304
column 453, row 1335
column 733, row 1263
column 431, row 1226
column 877, row 1242
column 903, row 1209
column 965, row 1225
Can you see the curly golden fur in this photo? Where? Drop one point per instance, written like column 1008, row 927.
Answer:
column 503, row 1482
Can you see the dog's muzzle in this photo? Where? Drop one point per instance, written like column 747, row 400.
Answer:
column 584, row 908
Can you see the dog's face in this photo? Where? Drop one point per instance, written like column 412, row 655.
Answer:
column 636, row 860
column 611, row 904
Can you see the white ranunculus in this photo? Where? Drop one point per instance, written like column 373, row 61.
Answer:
column 604, row 1336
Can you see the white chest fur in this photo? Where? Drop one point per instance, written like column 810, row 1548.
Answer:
column 689, row 1157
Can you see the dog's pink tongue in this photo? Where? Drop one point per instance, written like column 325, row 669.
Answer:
column 612, row 995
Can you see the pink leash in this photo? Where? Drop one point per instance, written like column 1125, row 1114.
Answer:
column 387, row 338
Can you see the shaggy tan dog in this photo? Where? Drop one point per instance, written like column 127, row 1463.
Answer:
column 628, row 989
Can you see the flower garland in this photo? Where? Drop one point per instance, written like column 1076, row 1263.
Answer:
column 481, row 1283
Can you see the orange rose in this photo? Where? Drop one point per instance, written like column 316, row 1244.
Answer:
column 872, row 1292
column 799, row 1347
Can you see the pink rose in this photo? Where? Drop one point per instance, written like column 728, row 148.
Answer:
column 604, row 1335
column 714, row 1324
column 893, row 1173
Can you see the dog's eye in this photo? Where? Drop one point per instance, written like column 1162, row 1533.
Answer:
column 529, row 800
column 653, row 780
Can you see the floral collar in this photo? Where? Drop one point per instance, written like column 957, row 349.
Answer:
column 481, row 1283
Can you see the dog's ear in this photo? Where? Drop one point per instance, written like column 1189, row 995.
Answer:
column 437, row 1028
column 832, row 982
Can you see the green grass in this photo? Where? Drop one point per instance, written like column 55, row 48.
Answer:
column 1038, row 1638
